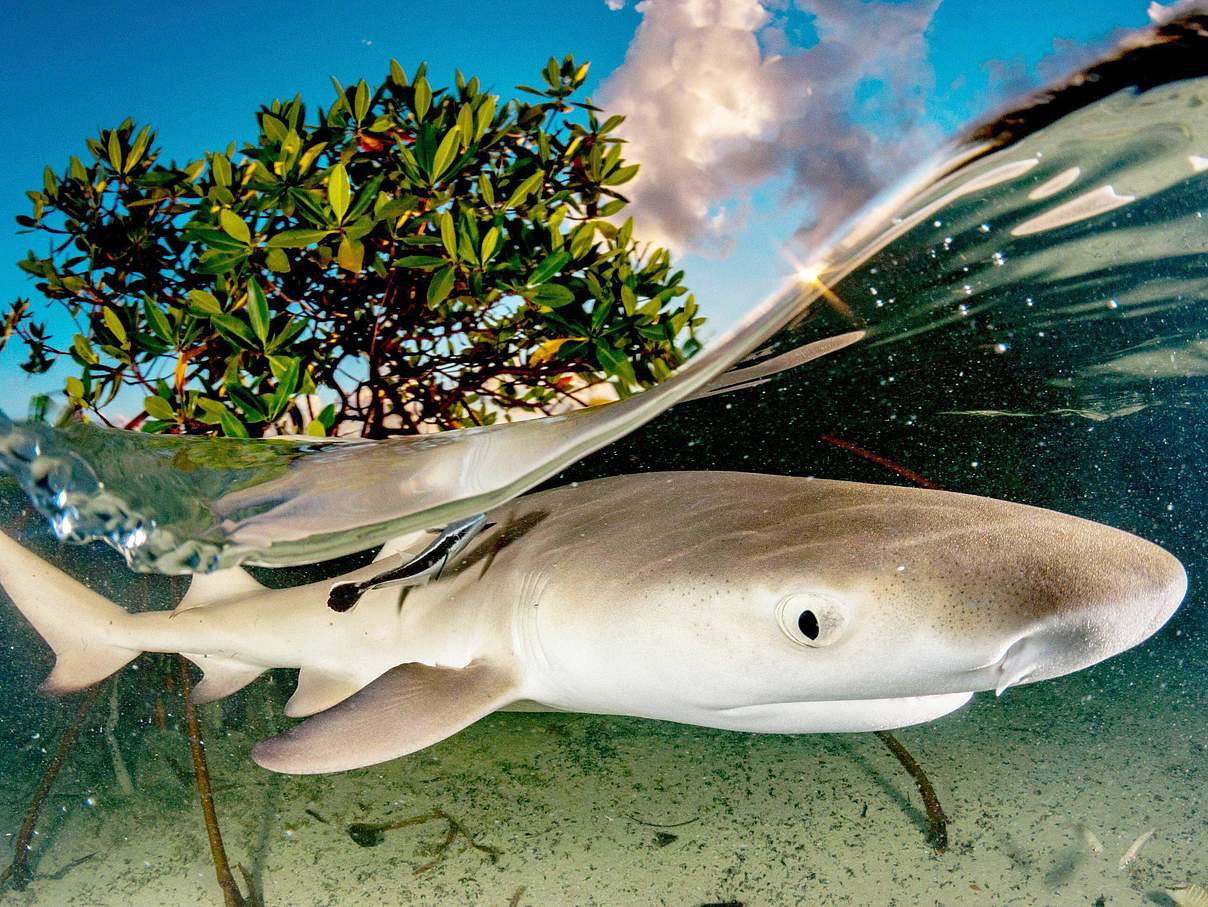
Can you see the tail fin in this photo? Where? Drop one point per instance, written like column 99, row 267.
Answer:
column 74, row 620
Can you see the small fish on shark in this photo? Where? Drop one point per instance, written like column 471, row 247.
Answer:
column 731, row 600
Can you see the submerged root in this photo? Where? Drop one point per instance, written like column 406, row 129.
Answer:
column 371, row 834
column 120, row 772
column 231, row 895
column 937, row 822
column 18, row 873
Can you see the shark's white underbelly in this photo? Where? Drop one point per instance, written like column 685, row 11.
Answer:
column 839, row 716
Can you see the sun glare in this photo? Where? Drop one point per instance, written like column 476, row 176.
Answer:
column 811, row 273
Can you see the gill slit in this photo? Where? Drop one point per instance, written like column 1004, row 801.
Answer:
column 526, row 630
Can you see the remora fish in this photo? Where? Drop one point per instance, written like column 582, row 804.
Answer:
column 731, row 600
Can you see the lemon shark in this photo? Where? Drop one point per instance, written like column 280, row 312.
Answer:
column 730, row 600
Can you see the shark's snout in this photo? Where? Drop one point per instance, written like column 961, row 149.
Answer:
column 1115, row 601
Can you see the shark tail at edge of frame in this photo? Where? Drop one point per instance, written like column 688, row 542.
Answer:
column 75, row 621
column 90, row 634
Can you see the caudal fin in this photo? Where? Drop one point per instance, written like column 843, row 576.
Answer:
column 77, row 623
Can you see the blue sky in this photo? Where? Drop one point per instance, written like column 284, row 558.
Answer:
column 198, row 72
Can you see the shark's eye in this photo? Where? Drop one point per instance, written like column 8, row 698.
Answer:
column 811, row 618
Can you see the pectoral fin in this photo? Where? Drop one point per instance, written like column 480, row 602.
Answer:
column 406, row 709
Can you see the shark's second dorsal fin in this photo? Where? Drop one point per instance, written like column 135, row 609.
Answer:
column 219, row 586
column 406, row 709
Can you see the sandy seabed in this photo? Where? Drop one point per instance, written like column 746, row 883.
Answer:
column 611, row 811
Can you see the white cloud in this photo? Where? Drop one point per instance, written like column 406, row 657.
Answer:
column 1161, row 13
column 718, row 102
column 615, row 5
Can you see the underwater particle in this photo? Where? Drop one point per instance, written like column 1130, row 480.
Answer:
column 968, row 291
column 1001, row 347
column 1113, row 304
column 984, row 228
column 999, row 259
column 937, row 223
column 1189, row 895
column 1131, row 854
column 1093, row 844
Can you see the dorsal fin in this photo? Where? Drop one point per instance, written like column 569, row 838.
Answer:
column 219, row 586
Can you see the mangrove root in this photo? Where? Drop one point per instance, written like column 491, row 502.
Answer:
column 231, row 895
column 937, row 822
column 18, row 873
column 120, row 772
